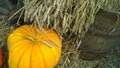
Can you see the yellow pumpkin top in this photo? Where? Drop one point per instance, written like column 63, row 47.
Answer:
column 29, row 48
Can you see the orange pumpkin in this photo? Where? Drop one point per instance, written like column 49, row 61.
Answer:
column 29, row 48
column 1, row 58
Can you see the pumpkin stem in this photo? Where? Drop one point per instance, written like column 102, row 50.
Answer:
column 30, row 38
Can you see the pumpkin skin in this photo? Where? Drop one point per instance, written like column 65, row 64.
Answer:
column 1, row 58
column 28, row 49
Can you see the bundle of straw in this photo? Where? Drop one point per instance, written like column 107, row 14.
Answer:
column 69, row 18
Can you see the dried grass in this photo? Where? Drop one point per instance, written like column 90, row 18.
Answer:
column 5, row 29
column 70, row 19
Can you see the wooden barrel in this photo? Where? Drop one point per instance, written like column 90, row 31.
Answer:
column 102, row 36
